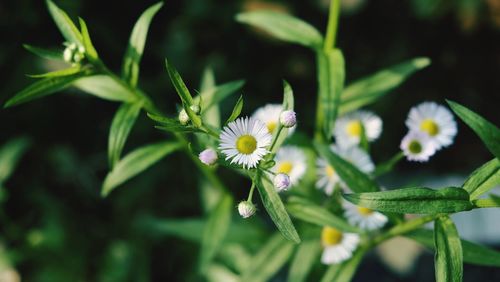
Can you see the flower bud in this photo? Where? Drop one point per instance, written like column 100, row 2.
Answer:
column 208, row 156
column 183, row 117
column 281, row 182
column 246, row 209
column 195, row 108
column 288, row 118
column 73, row 54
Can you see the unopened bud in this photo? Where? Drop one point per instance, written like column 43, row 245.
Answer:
column 183, row 117
column 288, row 118
column 195, row 108
column 281, row 182
column 246, row 209
column 208, row 156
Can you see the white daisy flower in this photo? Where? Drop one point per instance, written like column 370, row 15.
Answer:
column 338, row 246
column 418, row 146
column 363, row 217
column 348, row 128
column 328, row 178
column 270, row 115
column 244, row 141
column 292, row 161
column 435, row 120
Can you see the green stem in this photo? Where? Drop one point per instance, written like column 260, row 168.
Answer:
column 275, row 139
column 332, row 27
column 388, row 165
column 250, row 195
column 403, row 228
column 486, row 203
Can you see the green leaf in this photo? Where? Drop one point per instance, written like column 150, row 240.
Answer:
column 304, row 259
column 58, row 73
column 65, row 24
column 275, row 208
column 215, row 231
column 269, row 260
column 472, row 253
column 136, row 162
column 121, row 126
column 172, row 124
column 449, row 259
column 179, row 85
column 236, row 111
column 132, row 58
column 483, row 179
column 87, row 42
column 331, row 75
column 218, row 272
column 312, row 213
column 488, row 132
column 105, row 87
column 350, row 174
column 213, row 96
column 371, row 88
column 10, row 154
column 417, row 200
column 42, row 88
column 281, row 133
column 344, row 272
column 210, row 116
column 45, row 53
column 284, row 27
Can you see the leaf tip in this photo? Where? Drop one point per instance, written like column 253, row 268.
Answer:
column 422, row 62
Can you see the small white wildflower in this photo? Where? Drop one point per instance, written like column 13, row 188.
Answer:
column 417, row 146
column 183, row 117
column 245, row 141
column 208, row 156
column 288, row 119
column 246, row 209
column 281, row 182
column 434, row 120
column 270, row 115
column 338, row 245
column 363, row 217
column 292, row 161
column 348, row 128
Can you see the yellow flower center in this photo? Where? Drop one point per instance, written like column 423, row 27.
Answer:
column 354, row 128
column 364, row 211
column 415, row 147
column 330, row 171
column 430, row 127
column 246, row 144
column 285, row 167
column 331, row 236
column 271, row 126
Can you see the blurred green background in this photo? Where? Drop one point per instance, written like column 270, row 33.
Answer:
column 55, row 227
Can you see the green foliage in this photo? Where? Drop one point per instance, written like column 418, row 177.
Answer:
column 373, row 87
column 65, row 24
column 305, row 257
column 106, row 87
column 281, row 133
column 136, row 162
column 171, row 124
column 283, row 27
column 44, row 53
column 344, row 271
column 488, row 132
column 87, row 42
column 132, row 58
column 212, row 96
column 10, row 154
column 417, row 200
column 483, row 179
column 236, row 111
column 448, row 259
column 63, row 72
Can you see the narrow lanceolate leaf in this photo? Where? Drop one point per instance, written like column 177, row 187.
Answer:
column 448, row 259
column 269, row 260
column 284, row 27
column 105, row 87
column 214, row 96
column 280, row 135
column 483, row 179
column 350, row 174
column 64, row 23
column 417, row 200
column 136, row 162
column 215, row 230
column 210, row 116
column 130, row 69
column 371, row 88
column 472, row 253
column 312, row 213
column 87, row 42
column 179, row 85
column 172, row 124
column 218, row 272
column 488, row 132
column 344, row 272
column 121, row 126
column 42, row 88
column 331, row 75
column 305, row 257
column 63, row 72
column 45, row 53
column 10, row 154
column 236, row 111
column 276, row 210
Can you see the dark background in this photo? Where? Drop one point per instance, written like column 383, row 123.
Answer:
column 62, row 230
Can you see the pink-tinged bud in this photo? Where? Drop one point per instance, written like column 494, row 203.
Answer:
column 281, row 182
column 246, row 209
column 208, row 156
column 288, row 118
